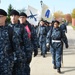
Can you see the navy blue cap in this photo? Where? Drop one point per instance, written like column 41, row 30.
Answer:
column 14, row 12
column 3, row 12
column 23, row 14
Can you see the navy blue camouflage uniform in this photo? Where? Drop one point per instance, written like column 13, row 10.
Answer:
column 25, row 48
column 42, row 39
column 34, row 40
column 34, row 45
column 63, row 27
column 37, row 33
column 6, row 50
column 55, row 38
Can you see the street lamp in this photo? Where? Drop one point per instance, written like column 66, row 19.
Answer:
column 41, row 2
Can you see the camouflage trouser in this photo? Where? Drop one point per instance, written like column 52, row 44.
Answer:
column 56, row 55
column 6, row 66
column 43, row 47
column 27, row 69
column 18, row 68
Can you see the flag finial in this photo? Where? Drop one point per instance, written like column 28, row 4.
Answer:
column 41, row 2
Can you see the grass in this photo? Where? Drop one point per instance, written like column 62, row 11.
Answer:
column 72, row 26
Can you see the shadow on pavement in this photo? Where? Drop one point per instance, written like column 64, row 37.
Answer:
column 69, row 69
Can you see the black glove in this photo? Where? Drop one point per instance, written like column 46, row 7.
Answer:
column 35, row 53
column 66, row 46
column 29, row 60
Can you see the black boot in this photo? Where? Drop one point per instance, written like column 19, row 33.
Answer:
column 46, row 52
column 58, row 70
column 44, row 55
column 54, row 67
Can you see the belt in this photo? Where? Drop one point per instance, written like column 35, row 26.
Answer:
column 42, row 34
column 56, row 40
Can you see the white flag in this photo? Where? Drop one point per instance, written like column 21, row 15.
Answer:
column 46, row 13
column 32, row 14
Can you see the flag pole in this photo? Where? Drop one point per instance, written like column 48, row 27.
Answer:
column 41, row 2
column 0, row 1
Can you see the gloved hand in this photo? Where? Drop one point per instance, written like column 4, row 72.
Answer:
column 29, row 60
column 35, row 53
column 66, row 46
column 47, row 45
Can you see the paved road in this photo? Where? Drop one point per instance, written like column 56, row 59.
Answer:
column 43, row 66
